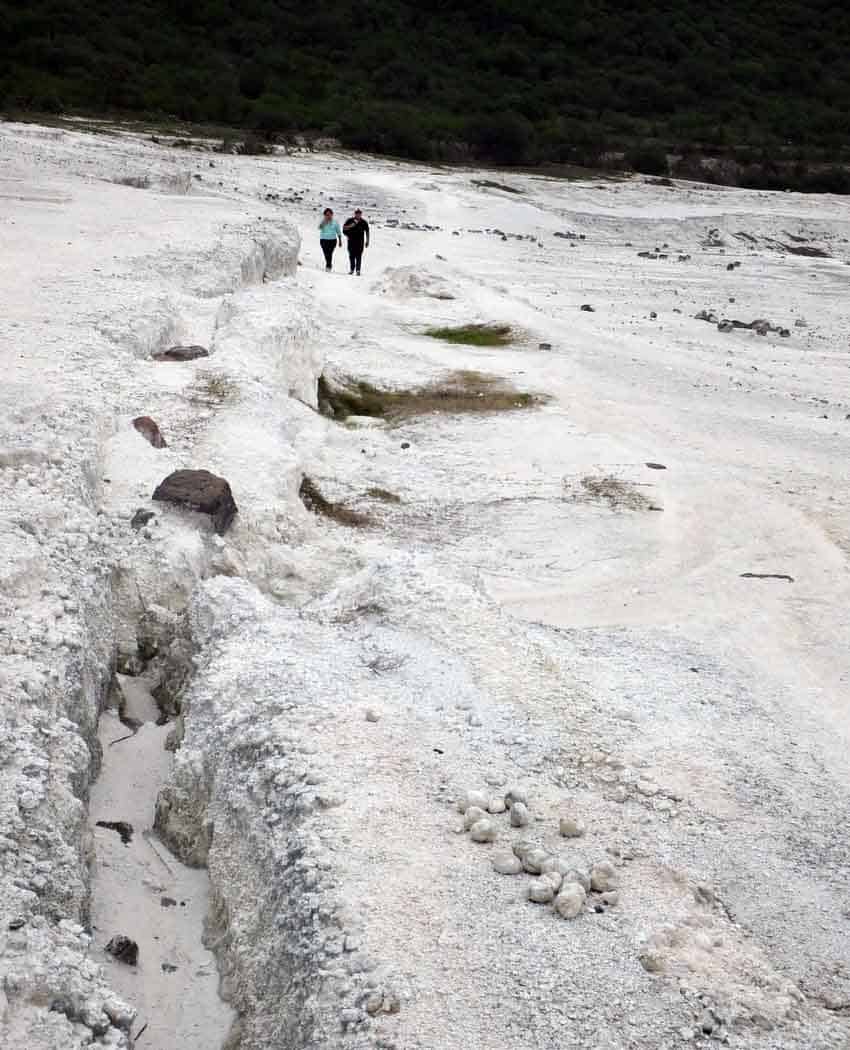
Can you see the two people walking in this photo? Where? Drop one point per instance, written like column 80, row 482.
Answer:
column 356, row 230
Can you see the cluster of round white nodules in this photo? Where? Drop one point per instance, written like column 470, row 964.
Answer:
column 556, row 881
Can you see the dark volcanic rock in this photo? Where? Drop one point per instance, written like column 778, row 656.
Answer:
column 141, row 518
column 124, row 949
column 124, row 829
column 150, row 431
column 201, row 491
column 181, row 353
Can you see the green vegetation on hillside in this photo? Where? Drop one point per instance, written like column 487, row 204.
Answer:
column 513, row 82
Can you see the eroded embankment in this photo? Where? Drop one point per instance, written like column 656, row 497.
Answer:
column 80, row 586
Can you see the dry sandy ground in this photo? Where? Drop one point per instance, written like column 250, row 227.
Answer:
column 541, row 610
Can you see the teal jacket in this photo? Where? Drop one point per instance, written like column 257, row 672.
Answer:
column 330, row 231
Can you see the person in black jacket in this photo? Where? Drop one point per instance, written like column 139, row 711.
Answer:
column 356, row 229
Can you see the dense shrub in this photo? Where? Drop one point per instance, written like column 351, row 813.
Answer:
column 648, row 160
column 505, row 137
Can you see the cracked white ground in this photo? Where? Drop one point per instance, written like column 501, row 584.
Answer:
column 516, row 620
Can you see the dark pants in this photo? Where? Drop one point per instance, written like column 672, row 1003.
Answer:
column 355, row 255
column 328, row 248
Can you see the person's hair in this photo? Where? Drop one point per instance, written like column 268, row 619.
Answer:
column 328, row 211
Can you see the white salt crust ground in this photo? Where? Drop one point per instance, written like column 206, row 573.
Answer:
column 502, row 625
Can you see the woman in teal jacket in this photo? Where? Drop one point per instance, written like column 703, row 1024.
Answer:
column 330, row 235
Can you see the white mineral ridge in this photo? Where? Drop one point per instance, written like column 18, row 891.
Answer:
column 539, row 603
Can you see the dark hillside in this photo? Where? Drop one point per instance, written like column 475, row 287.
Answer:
column 515, row 81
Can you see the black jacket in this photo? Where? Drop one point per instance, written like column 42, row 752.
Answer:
column 356, row 230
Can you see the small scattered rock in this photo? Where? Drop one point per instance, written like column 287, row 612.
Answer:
column 588, row 309
column 124, row 949
column 201, row 491
column 544, row 346
column 610, row 899
column 405, row 444
column 603, row 877
column 571, row 828
column 382, row 1003
column 472, row 815
column 541, row 891
column 149, row 431
column 656, row 466
column 555, row 864
column 141, row 518
column 554, row 878
column 652, row 961
column 519, row 815
column 372, row 715
column 516, row 795
column 581, row 877
column 473, row 798
column 570, row 901
column 496, row 806
column 533, row 861
column 374, row 1003
column 181, row 353
column 483, row 831
column 350, row 1017
column 523, row 846
column 506, row 863
column 168, row 967
column 168, row 902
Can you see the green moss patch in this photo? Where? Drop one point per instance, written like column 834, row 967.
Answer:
column 461, row 392
column 475, row 334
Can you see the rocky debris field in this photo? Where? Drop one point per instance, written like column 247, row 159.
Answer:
column 362, row 687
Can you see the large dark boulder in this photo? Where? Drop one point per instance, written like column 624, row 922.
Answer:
column 201, row 491
column 181, row 353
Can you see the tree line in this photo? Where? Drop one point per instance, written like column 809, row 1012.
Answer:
column 558, row 81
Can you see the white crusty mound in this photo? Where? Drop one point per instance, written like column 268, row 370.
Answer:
column 112, row 274
column 530, row 730
column 402, row 282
